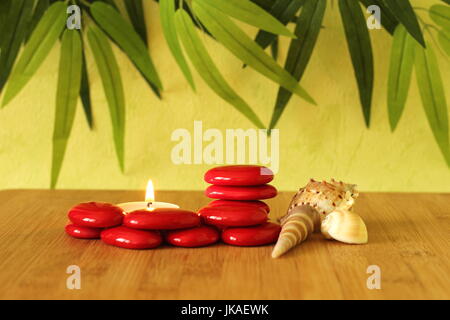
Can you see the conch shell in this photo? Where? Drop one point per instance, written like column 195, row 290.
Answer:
column 325, row 196
column 309, row 209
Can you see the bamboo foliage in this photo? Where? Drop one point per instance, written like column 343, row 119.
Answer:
column 359, row 45
column 400, row 71
column 307, row 30
column 29, row 29
column 69, row 81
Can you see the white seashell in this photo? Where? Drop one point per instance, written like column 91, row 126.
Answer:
column 344, row 226
column 310, row 205
column 298, row 225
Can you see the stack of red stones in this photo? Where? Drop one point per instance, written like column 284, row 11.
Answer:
column 238, row 216
column 238, row 212
column 141, row 229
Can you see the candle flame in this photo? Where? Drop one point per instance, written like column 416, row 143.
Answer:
column 150, row 194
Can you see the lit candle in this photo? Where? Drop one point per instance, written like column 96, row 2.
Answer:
column 150, row 204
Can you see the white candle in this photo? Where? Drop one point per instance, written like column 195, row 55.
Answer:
column 128, row 207
column 149, row 203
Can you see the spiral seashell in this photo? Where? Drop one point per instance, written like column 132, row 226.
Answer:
column 300, row 223
column 344, row 226
column 309, row 207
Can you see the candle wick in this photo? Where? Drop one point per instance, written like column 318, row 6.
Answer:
column 149, row 204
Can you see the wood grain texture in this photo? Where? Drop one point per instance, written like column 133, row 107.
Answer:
column 408, row 240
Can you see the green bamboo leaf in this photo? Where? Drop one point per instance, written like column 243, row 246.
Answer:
column 265, row 4
column 109, row 2
column 404, row 13
column 112, row 85
column 440, row 14
column 274, row 48
column 123, row 34
column 300, row 50
column 69, row 78
column 4, row 9
column 249, row 13
column 444, row 40
column 284, row 11
column 387, row 19
column 294, row 19
column 400, row 70
column 235, row 40
column 39, row 45
column 135, row 10
column 433, row 97
column 167, row 13
column 39, row 10
column 186, row 7
column 13, row 33
column 206, row 67
column 85, row 94
column 360, row 48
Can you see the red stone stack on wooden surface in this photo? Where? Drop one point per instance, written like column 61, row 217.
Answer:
column 238, row 216
column 239, row 211
column 140, row 229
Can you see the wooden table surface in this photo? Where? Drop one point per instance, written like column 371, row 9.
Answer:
column 408, row 240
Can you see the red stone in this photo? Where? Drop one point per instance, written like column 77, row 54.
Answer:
column 254, row 203
column 241, row 193
column 131, row 238
column 233, row 216
column 83, row 232
column 161, row 219
column 240, row 175
column 195, row 237
column 252, row 236
column 96, row 215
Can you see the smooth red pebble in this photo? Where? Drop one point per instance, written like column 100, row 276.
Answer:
column 194, row 237
column 240, row 175
column 241, row 193
column 252, row 236
column 233, row 216
column 162, row 219
column 83, row 232
column 96, row 215
column 131, row 238
column 254, row 203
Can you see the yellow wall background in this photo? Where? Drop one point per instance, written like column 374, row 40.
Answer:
column 321, row 142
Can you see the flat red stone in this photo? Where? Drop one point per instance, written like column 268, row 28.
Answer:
column 254, row 203
column 162, row 219
column 240, row 175
column 96, row 215
column 252, row 236
column 241, row 193
column 131, row 238
column 83, row 232
column 195, row 237
column 233, row 216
